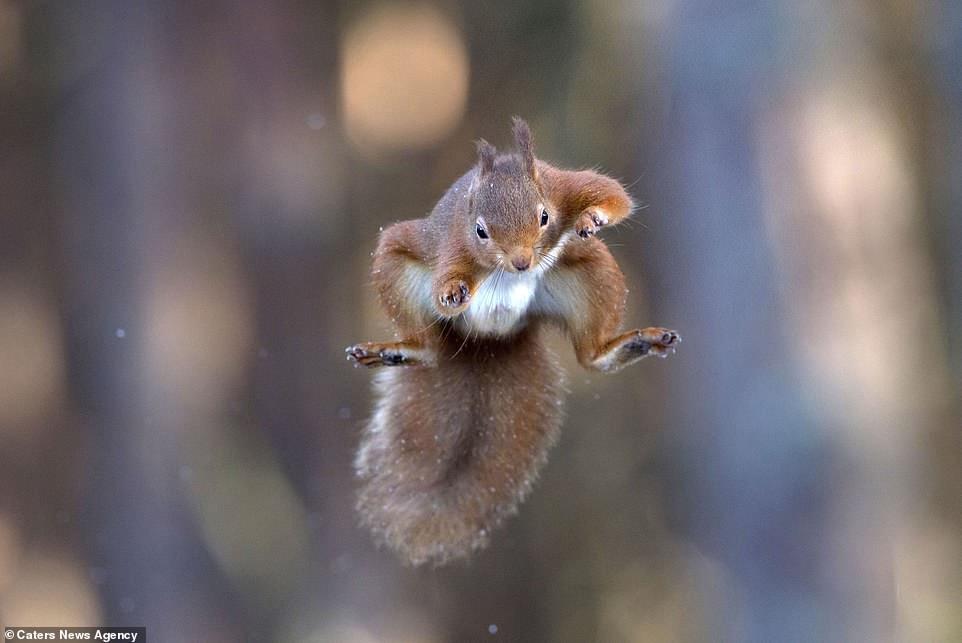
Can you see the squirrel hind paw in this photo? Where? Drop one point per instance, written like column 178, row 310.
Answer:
column 373, row 355
column 661, row 341
column 635, row 345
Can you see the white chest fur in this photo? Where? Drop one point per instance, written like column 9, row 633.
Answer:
column 500, row 302
column 498, row 305
column 503, row 299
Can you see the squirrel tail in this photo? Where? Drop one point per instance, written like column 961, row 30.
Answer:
column 452, row 449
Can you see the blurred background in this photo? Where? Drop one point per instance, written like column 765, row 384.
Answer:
column 189, row 196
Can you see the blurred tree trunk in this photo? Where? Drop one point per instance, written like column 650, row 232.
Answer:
column 944, row 151
column 782, row 260
column 755, row 467
column 142, row 550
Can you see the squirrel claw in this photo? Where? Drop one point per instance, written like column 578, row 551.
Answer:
column 454, row 294
column 590, row 221
column 663, row 341
column 371, row 356
column 374, row 354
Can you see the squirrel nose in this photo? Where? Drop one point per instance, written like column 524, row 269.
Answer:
column 521, row 263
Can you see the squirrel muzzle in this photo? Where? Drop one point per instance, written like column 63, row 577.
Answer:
column 521, row 259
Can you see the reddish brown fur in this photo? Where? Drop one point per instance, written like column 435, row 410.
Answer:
column 451, row 450
column 459, row 435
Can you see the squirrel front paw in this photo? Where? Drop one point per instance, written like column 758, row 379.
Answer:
column 590, row 221
column 453, row 296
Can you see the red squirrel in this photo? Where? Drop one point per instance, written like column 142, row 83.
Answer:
column 471, row 399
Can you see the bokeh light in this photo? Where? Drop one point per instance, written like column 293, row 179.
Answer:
column 11, row 40
column 50, row 588
column 199, row 327
column 31, row 357
column 252, row 521
column 11, row 550
column 404, row 77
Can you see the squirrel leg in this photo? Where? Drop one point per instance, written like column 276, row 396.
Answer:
column 454, row 282
column 632, row 346
column 404, row 353
column 403, row 281
column 592, row 309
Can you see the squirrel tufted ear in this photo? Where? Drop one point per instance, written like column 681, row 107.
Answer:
column 486, row 154
column 522, row 136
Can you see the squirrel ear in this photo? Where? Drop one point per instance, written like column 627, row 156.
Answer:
column 486, row 154
column 522, row 136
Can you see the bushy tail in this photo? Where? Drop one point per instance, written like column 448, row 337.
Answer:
column 451, row 450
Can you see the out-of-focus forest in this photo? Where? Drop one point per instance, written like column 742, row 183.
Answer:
column 189, row 196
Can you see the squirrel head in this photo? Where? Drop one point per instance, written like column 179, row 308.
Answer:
column 511, row 224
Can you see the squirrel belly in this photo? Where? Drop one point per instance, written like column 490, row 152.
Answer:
column 503, row 299
column 500, row 303
column 451, row 450
column 499, row 306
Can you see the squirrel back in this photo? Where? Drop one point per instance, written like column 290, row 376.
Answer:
column 450, row 451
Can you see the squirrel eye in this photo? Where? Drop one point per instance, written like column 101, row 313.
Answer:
column 481, row 231
column 544, row 218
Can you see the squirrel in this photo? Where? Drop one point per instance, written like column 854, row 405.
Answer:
column 470, row 400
